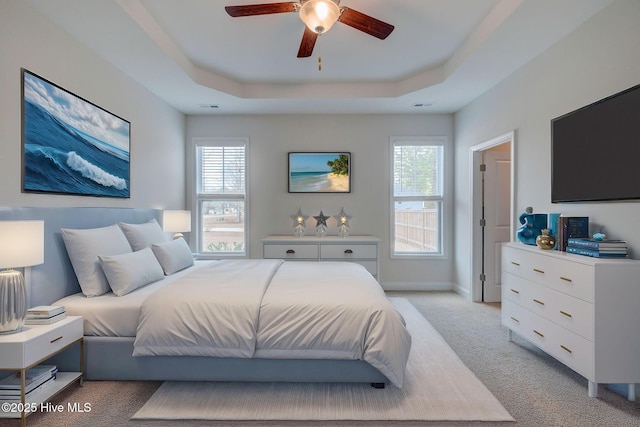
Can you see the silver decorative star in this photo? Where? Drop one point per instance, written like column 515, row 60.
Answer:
column 342, row 218
column 321, row 219
column 299, row 217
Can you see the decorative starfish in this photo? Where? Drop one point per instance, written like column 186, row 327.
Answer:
column 342, row 218
column 299, row 217
column 321, row 219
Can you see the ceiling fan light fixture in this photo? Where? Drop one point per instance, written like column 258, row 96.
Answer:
column 319, row 15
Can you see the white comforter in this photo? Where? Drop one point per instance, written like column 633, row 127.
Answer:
column 275, row 309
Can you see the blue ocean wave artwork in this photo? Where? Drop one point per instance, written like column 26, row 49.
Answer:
column 71, row 146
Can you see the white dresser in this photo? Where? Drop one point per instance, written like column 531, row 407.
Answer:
column 583, row 311
column 360, row 249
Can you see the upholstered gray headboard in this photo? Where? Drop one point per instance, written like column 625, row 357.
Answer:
column 55, row 278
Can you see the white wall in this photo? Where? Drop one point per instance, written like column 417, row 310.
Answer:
column 28, row 40
column 367, row 138
column 598, row 59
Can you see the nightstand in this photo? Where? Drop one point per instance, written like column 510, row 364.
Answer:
column 33, row 345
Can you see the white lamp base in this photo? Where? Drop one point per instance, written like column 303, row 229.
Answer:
column 13, row 301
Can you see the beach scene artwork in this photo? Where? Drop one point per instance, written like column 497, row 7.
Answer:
column 319, row 172
column 70, row 145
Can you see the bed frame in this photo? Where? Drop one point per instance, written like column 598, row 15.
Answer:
column 109, row 358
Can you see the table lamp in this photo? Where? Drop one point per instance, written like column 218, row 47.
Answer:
column 176, row 221
column 21, row 245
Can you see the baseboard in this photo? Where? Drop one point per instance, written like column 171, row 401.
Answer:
column 417, row 286
column 462, row 291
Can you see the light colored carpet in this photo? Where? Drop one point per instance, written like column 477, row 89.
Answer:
column 438, row 387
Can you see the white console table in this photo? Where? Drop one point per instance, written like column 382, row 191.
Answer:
column 360, row 249
column 581, row 310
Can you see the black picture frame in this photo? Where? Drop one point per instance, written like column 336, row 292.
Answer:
column 71, row 145
column 319, row 172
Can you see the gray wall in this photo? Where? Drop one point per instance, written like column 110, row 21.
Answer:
column 27, row 40
column 367, row 138
column 598, row 59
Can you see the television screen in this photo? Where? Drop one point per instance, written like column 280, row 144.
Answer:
column 595, row 151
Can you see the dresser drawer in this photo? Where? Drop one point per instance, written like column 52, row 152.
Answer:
column 564, row 310
column 572, row 350
column 572, row 278
column 348, row 252
column 284, row 251
column 515, row 318
column 52, row 341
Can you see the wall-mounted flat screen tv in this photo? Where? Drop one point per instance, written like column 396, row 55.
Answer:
column 595, row 151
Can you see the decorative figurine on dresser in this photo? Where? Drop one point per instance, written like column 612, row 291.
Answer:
column 532, row 226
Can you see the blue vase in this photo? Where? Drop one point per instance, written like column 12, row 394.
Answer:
column 532, row 225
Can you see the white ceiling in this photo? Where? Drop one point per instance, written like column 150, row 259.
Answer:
column 442, row 53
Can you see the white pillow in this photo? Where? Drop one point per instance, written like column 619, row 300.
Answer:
column 144, row 235
column 173, row 255
column 128, row 272
column 84, row 246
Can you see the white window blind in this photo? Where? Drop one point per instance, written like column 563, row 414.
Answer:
column 417, row 197
column 221, row 196
column 222, row 169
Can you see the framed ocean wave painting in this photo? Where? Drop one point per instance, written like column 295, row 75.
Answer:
column 320, row 172
column 70, row 145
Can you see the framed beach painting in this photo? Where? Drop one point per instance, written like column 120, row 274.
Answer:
column 70, row 145
column 320, row 172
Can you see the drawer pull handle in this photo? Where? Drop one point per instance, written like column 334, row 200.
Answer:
column 291, row 251
column 348, row 251
column 565, row 313
column 540, row 334
column 538, row 301
column 55, row 339
column 537, row 270
column 515, row 292
column 515, row 263
column 566, row 279
column 568, row 350
column 514, row 319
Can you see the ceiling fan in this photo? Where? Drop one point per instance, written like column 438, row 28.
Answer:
column 318, row 16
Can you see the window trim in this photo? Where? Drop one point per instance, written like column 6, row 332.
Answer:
column 198, row 197
column 443, row 200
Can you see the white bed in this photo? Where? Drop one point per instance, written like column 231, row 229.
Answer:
column 111, row 321
column 266, row 309
column 141, row 288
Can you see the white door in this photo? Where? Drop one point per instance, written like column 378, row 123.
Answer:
column 497, row 214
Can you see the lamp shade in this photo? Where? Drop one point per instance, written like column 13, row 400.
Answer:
column 176, row 221
column 22, row 243
column 319, row 15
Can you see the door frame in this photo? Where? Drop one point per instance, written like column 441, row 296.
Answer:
column 475, row 185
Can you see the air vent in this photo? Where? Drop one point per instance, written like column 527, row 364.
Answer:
column 423, row 104
column 209, row 106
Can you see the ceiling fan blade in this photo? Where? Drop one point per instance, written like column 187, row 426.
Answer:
column 261, row 9
column 365, row 23
column 307, row 44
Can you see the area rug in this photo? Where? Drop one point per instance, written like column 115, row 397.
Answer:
column 438, row 387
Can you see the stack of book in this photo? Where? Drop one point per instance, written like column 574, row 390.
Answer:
column 36, row 379
column 45, row 315
column 570, row 227
column 597, row 248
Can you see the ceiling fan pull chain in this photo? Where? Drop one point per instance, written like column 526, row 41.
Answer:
column 319, row 63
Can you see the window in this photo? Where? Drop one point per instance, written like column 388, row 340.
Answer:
column 221, row 196
column 417, row 196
